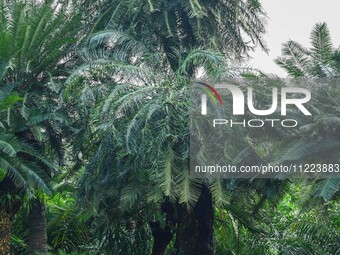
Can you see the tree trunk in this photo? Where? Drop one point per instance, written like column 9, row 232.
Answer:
column 37, row 228
column 162, row 236
column 195, row 228
column 5, row 232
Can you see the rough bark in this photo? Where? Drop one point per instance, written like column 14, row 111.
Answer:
column 163, row 235
column 5, row 232
column 195, row 227
column 8, row 209
column 37, row 228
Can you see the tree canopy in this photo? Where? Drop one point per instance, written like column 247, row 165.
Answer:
column 95, row 132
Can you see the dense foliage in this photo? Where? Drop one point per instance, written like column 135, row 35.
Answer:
column 95, row 132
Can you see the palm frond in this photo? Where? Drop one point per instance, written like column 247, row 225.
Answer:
column 326, row 188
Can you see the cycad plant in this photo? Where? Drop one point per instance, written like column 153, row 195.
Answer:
column 36, row 47
column 21, row 169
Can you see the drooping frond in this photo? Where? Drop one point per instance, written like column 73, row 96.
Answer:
column 294, row 59
column 326, row 188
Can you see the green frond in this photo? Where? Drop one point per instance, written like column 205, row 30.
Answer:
column 166, row 172
column 219, row 193
column 32, row 174
column 210, row 61
column 318, row 61
column 303, row 149
column 327, row 188
column 7, row 148
column 322, row 46
column 16, row 177
column 116, row 91
column 113, row 44
column 189, row 189
column 319, row 233
column 295, row 59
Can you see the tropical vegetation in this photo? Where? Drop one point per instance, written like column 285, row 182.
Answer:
column 95, row 132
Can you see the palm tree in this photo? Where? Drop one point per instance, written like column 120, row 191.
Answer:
column 36, row 43
column 322, row 60
column 143, row 161
column 317, row 141
column 174, row 28
column 138, row 70
column 20, row 177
